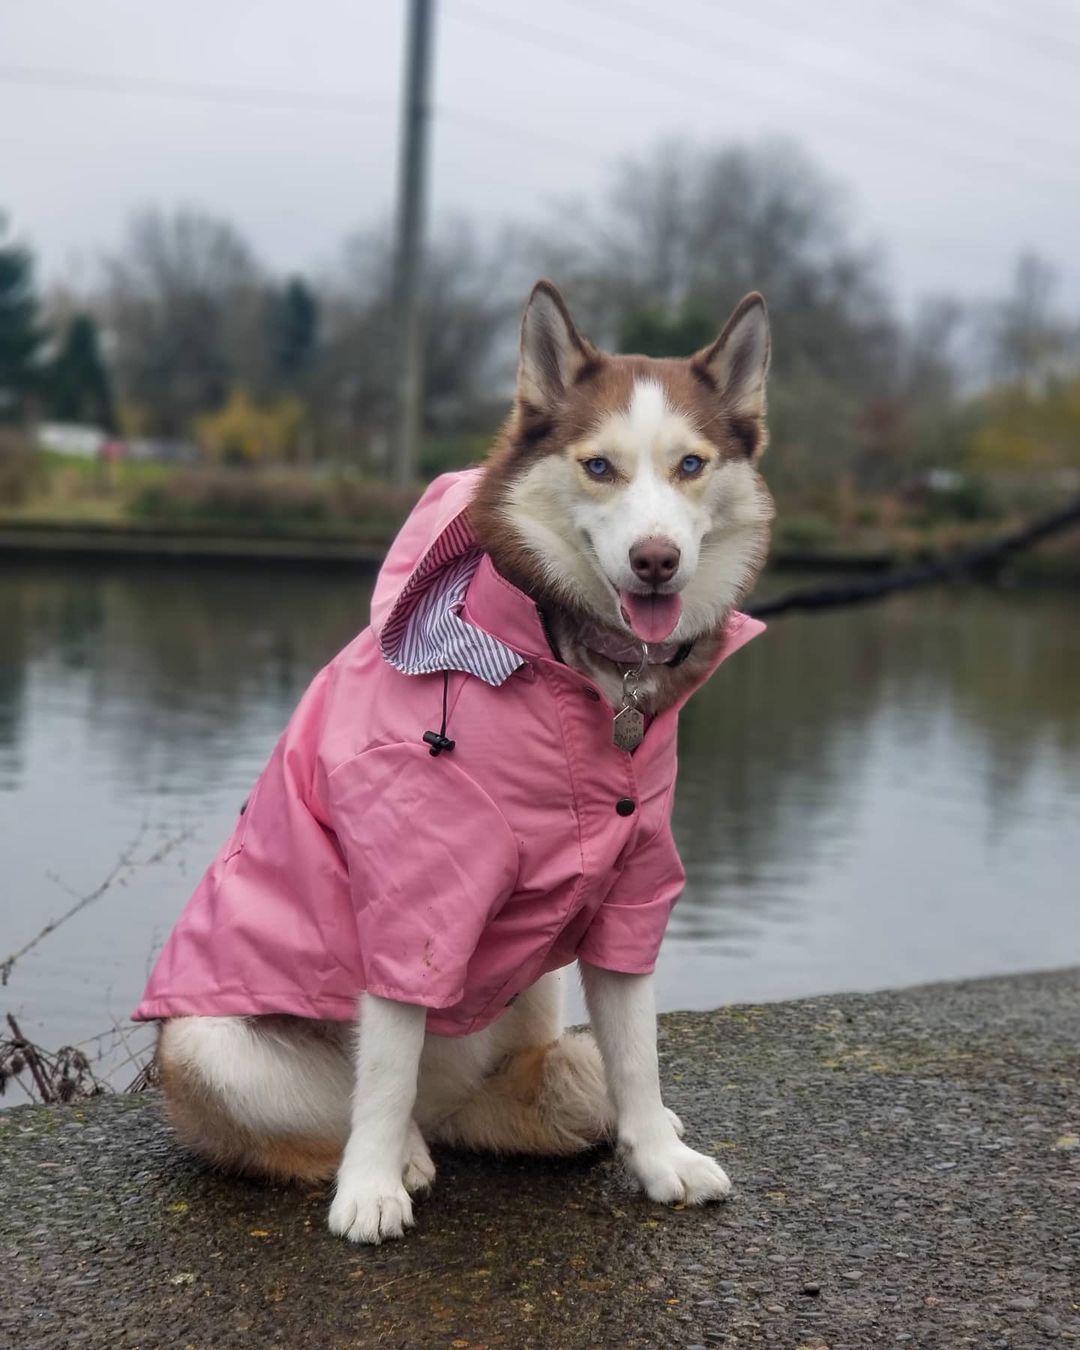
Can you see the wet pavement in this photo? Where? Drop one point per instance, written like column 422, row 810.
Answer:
column 906, row 1170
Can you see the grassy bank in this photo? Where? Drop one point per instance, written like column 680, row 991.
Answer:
column 42, row 493
column 145, row 498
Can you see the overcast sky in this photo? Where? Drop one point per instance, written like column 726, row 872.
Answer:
column 954, row 124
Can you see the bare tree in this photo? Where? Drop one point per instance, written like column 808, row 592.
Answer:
column 1027, row 336
column 470, row 301
column 186, row 305
column 685, row 232
column 685, row 228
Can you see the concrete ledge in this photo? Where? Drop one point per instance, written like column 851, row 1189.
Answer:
column 906, row 1170
column 171, row 545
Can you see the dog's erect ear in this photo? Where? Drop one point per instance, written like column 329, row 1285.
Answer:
column 737, row 363
column 553, row 352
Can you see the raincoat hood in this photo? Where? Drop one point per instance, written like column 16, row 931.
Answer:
column 416, row 607
column 364, row 863
column 436, row 533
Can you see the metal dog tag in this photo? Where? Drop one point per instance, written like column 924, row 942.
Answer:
column 628, row 728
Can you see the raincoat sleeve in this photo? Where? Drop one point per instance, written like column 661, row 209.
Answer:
column 629, row 926
column 430, row 860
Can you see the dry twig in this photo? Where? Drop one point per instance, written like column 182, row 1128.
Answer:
column 65, row 1076
column 122, row 869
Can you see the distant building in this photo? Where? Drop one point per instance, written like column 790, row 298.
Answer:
column 71, row 438
column 162, row 451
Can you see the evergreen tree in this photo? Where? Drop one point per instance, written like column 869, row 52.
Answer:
column 77, row 384
column 295, row 325
column 651, row 332
column 20, row 336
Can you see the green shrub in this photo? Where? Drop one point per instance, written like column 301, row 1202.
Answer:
column 20, row 470
column 803, row 534
column 967, row 499
column 275, row 502
column 442, row 454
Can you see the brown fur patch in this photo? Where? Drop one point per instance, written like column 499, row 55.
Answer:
column 293, row 1158
column 524, row 1073
column 549, row 1100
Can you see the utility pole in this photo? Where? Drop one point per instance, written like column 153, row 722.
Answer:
column 409, row 255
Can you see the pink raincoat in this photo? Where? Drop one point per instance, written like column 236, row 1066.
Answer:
column 362, row 862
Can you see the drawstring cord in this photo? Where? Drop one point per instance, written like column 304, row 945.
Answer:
column 438, row 740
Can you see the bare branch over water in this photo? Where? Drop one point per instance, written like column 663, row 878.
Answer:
column 125, row 867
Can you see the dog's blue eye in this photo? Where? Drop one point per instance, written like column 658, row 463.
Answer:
column 597, row 468
column 691, row 464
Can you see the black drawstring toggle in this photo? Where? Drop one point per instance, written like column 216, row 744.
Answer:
column 439, row 740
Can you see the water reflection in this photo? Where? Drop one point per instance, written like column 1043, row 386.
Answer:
column 867, row 797
column 164, row 662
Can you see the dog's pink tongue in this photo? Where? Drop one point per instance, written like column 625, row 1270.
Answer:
column 652, row 617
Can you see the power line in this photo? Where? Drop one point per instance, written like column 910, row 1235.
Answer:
column 310, row 101
column 245, row 96
column 296, row 100
column 305, row 100
column 683, row 81
column 693, row 37
column 623, row 63
column 1056, row 46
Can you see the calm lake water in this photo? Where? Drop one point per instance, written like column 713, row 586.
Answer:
column 868, row 798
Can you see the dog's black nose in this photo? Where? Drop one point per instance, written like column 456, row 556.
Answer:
column 654, row 560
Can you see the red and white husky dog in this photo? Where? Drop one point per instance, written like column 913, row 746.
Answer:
column 619, row 487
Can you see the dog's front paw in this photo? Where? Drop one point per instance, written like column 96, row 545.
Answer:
column 673, row 1174
column 368, row 1208
column 419, row 1171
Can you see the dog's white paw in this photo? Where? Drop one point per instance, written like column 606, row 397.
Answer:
column 419, row 1171
column 370, row 1208
column 672, row 1174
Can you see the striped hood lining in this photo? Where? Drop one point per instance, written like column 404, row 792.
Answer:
column 424, row 632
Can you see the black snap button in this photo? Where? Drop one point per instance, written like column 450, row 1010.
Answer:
column 625, row 806
column 591, row 693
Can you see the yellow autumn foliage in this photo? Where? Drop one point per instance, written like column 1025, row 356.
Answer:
column 243, row 432
column 1021, row 428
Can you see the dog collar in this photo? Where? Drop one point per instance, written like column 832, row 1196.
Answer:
column 627, row 651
